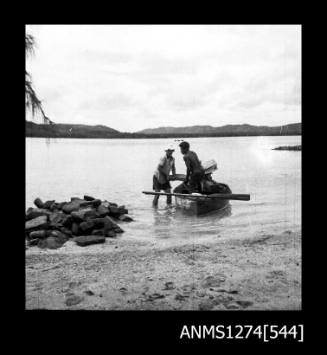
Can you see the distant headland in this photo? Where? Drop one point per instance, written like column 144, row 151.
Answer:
column 295, row 148
column 86, row 131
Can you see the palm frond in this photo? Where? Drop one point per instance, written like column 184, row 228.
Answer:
column 29, row 44
column 31, row 100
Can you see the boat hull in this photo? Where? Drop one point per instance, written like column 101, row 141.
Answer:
column 203, row 205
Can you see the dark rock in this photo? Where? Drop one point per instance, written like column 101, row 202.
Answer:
column 89, row 239
column 75, row 228
column 38, row 203
column 98, row 232
column 99, row 222
column 94, row 203
column 48, row 204
column 86, row 227
column 113, row 204
column 88, row 198
column 169, row 285
column 105, row 204
column 125, row 218
column 155, row 296
column 57, row 219
column 114, row 211
column 226, row 291
column 72, row 300
column 61, row 237
column 50, row 243
column 102, row 210
column 76, row 199
column 37, row 223
column 89, row 292
column 33, row 242
column 109, row 225
column 72, row 206
column 109, row 222
column 200, row 293
column 206, row 305
column 54, row 207
column 213, row 281
column 66, row 231
column 60, row 205
column 110, row 234
column 91, row 214
column 79, row 215
column 232, row 306
column 40, row 234
column 118, row 229
column 122, row 210
column 68, row 221
column 244, row 304
column 36, row 212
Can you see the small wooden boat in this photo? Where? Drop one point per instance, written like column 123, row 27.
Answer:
column 201, row 204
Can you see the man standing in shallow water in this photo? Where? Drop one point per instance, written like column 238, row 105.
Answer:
column 194, row 172
column 160, row 177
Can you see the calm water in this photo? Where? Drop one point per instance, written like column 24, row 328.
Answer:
column 118, row 170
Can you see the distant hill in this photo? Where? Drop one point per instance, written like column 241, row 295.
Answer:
column 69, row 131
column 85, row 131
column 227, row 130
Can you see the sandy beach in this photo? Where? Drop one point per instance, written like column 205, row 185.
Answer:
column 258, row 273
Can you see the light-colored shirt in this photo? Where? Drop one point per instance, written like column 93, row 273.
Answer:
column 166, row 164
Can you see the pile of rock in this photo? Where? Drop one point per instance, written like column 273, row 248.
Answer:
column 86, row 221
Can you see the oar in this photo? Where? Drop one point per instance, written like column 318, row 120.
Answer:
column 240, row 197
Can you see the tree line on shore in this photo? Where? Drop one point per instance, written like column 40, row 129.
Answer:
column 86, row 131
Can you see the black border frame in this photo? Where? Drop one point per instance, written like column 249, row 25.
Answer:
column 165, row 326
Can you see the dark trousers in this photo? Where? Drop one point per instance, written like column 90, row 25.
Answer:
column 158, row 187
column 195, row 181
column 193, row 185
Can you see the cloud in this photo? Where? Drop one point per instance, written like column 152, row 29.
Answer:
column 135, row 77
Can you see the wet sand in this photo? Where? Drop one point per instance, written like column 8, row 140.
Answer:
column 259, row 273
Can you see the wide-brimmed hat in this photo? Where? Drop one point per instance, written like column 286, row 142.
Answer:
column 170, row 147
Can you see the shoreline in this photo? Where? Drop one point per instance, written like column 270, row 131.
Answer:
column 261, row 272
column 296, row 148
column 168, row 136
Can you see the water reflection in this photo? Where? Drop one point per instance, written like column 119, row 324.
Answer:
column 222, row 213
column 172, row 221
column 49, row 140
column 163, row 216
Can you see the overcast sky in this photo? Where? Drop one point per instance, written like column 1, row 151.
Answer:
column 135, row 77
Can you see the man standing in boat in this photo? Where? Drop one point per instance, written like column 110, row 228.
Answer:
column 194, row 172
column 161, row 174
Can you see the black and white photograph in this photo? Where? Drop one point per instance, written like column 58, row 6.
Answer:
column 163, row 167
